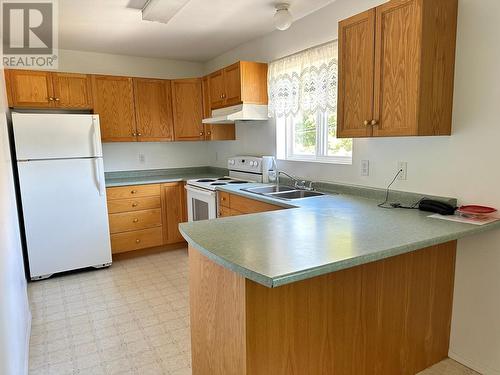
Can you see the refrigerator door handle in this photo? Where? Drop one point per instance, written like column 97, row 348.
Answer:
column 100, row 181
column 96, row 137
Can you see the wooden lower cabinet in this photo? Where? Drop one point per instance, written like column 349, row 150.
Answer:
column 173, row 203
column 389, row 317
column 234, row 205
column 136, row 240
column 145, row 216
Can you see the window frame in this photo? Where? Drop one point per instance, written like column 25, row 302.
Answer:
column 286, row 138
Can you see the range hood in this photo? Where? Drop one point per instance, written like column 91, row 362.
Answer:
column 240, row 112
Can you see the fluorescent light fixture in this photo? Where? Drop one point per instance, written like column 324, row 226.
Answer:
column 162, row 10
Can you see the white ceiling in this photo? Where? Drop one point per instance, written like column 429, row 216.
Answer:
column 200, row 31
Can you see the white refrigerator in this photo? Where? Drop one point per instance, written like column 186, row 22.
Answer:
column 63, row 194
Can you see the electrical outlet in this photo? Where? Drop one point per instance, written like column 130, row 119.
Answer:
column 365, row 167
column 403, row 167
column 142, row 158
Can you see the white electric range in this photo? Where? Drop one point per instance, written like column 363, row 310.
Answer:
column 202, row 195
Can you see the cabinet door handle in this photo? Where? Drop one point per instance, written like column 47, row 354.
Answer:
column 137, row 240
column 57, row 99
column 134, row 204
column 50, row 99
column 201, row 133
column 366, row 123
column 139, row 134
column 134, row 134
column 133, row 192
column 374, row 122
column 136, row 220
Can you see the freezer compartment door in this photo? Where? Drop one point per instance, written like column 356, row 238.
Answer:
column 65, row 214
column 56, row 136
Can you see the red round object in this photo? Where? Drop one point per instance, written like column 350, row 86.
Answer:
column 477, row 210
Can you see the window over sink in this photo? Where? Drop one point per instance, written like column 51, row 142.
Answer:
column 303, row 101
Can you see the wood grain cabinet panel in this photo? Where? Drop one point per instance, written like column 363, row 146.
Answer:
column 114, row 103
column 187, row 102
column 127, row 221
column 72, row 90
column 234, row 205
column 355, row 84
column 389, row 317
column 232, row 85
column 133, row 191
column 216, row 89
column 153, row 108
column 135, row 204
column 136, row 240
column 413, row 63
column 29, row 88
column 41, row 89
column 241, row 82
column 173, row 204
column 215, row 132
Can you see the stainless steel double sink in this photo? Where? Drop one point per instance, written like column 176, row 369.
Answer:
column 283, row 192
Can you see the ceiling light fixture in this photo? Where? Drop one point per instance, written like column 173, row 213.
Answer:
column 283, row 18
column 161, row 10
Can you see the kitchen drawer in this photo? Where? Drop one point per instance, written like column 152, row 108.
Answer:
column 133, row 191
column 248, row 206
column 127, row 221
column 135, row 240
column 223, row 199
column 136, row 204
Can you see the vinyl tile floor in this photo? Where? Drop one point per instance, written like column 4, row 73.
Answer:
column 132, row 318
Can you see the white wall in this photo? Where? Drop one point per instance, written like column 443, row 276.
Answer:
column 105, row 63
column 463, row 165
column 125, row 156
column 121, row 157
column 15, row 316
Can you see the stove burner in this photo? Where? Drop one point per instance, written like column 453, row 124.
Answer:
column 224, row 179
column 206, row 180
column 238, row 182
column 219, row 183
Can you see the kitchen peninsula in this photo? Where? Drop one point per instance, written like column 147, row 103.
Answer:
column 328, row 285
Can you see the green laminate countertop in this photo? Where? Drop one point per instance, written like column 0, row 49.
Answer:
column 157, row 176
column 316, row 236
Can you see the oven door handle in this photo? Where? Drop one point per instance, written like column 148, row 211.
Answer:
column 207, row 193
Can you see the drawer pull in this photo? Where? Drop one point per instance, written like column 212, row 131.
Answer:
column 133, row 192
column 135, row 204
column 137, row 241
column 135, row 220
column 223, row 199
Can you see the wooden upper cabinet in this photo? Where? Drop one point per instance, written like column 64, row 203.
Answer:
column 153, row 110
column 114, row 103
column 72, row 90
column 187, row 103
column 40, row 89
column 242, row 82
column 216, row 89
column 29, row 88
column 216, row 132
column 232, row 84
column 413, row 70
column 355, row 82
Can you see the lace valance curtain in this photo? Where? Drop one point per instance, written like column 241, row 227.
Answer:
column 305, row 82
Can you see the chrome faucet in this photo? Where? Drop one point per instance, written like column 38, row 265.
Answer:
column 298, row 184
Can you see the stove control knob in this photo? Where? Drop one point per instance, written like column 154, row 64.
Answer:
column 231, row 162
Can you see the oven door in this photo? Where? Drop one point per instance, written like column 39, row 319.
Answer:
column 201, row 204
